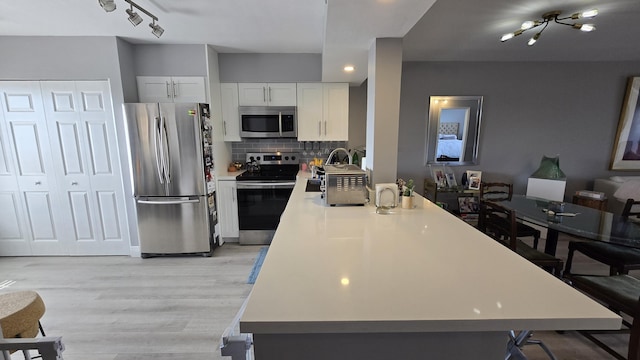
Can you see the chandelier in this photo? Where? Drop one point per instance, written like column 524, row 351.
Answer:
column 553, row 16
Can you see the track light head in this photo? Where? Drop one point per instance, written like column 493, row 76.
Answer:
column 107, row 5
column 156, row 29
column 134, row 18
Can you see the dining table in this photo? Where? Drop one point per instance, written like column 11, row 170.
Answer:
column 575, row 220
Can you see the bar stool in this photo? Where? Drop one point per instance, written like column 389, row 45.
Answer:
column 20, row 314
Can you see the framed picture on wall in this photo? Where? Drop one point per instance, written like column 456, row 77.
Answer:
column 626, row 149
column 451, row 178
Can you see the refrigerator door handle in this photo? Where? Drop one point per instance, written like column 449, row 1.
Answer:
column 166, row 150
column 156, row 134
column 168, row 202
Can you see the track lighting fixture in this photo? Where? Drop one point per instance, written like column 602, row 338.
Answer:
column 552, row 16
column 134, row 17
column 107, row 5
column 156, row 29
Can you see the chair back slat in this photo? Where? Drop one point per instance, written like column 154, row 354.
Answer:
column 499, row 223
column 631, row 208
column 496, row 191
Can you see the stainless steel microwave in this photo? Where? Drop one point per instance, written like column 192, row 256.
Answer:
column 268, row 122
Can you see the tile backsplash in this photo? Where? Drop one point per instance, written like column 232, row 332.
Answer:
column 307, row 149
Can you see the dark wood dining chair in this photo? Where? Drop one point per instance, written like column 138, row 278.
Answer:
column 619, row 258
column 500, row 223
column 621, row 293
column 500, row 191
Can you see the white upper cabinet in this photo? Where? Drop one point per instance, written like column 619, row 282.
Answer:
column 323, row 111
column 230, row 115
column 267, row 94
column 178, row 89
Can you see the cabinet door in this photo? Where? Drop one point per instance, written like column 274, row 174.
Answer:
column 228, row 208
column 281, row 94
column 46, row 216
column 336, row 112
column 188, row 89
column 230, row 115
column 309, row 111
column 85, row 154
column 252, row 94
column 154, row 89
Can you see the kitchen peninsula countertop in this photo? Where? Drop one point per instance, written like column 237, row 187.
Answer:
column 346, row 270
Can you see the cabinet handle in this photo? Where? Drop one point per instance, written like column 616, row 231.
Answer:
column 175, row 91
column 319, row 128
column 269, row 93
column 38, row 182
column 168, row 90
column 325, row 128
column 224, row 127
column 264, row 94
column 74, row 183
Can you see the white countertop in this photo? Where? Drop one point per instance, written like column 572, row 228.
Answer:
column 226, row 175
column 347, row 269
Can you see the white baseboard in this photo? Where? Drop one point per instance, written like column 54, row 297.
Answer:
column 134, row 251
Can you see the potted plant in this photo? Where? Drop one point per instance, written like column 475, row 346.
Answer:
column 407, row 195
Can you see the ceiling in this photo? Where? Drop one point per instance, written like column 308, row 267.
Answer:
column 343, row 30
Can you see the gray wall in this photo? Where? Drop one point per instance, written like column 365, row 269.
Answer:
column 170, row 60
column 358, row 116
column 530, row 109
column 270, row 67
column 126, row 56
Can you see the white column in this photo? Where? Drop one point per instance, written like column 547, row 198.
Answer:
column 383, row 109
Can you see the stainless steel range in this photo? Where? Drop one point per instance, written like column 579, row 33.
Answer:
column 263, row 192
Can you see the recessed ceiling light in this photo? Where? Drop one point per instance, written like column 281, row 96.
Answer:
column 349, row 68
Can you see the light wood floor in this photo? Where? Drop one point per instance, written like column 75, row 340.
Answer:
column 122, row 308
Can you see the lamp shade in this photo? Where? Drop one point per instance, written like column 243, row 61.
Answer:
column 549, row 169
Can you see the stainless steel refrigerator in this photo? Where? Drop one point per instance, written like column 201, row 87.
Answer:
column 170, row 150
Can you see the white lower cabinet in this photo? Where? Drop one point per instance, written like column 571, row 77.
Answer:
column 323, row 111
column 228, row 208
column 60, row 176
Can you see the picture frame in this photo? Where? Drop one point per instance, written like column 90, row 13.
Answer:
column 626, row 148
column 439, row 176
column 451, row 179
column 474, row 178
column 468, row 205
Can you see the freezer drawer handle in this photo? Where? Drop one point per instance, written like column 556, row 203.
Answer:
column 171, row 202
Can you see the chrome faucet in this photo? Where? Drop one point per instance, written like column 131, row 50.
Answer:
column 336, row 150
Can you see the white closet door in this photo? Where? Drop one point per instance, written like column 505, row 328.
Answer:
column 44, row 211
column 13, row 239
column 82, row 135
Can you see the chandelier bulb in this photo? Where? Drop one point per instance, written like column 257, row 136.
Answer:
column 584, row 27
column 534, row 39
column 529, row 24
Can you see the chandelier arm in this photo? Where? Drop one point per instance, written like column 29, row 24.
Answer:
column 557, row 21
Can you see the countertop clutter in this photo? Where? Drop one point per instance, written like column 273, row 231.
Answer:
column 348, row 271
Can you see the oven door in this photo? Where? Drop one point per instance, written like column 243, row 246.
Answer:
column 260, row 205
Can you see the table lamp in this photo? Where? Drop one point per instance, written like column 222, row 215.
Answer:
column 548, row 182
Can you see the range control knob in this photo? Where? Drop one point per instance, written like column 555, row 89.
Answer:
column 293, row 158
column 286, row 158
column 251, row 158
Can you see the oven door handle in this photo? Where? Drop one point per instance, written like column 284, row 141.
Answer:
column 267, row 185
